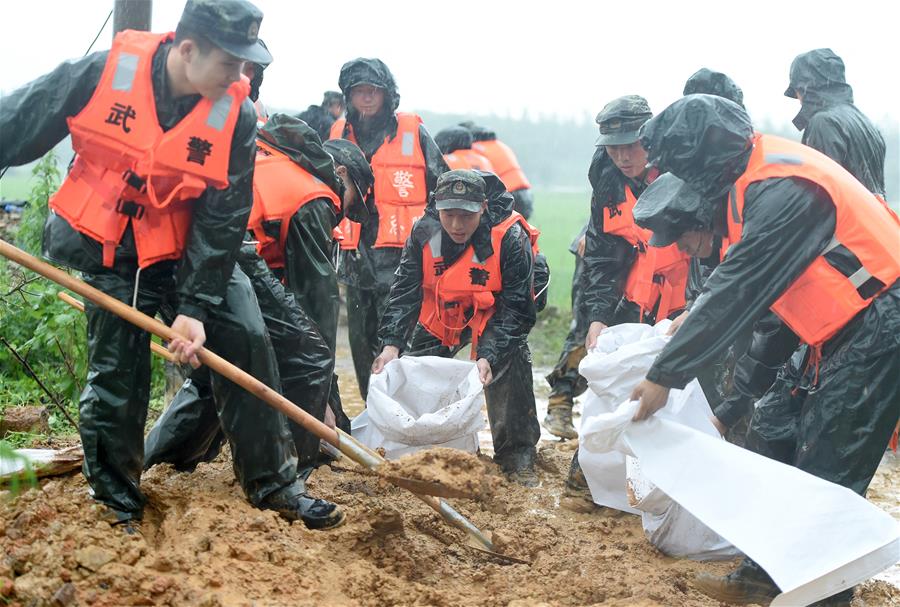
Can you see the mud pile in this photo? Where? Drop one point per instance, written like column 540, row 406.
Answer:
column 456, row 472
column 203, row 544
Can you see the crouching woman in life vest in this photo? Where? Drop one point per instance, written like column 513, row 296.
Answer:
column 467, row 275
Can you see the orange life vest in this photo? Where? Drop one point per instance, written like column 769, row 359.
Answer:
column 280, row 188
column 400, row 187
column 463, row 294
column 506, row 165
column 129, row 170
column 468, row 159
column 346, row 233
column 658, row 274
column 822, row 300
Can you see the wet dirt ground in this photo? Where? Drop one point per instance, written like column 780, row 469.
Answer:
column 203, row 544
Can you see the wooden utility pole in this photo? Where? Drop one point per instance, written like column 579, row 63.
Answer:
column 132, row 15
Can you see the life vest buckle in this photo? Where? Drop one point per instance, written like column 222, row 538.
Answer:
column 135, row 181
column 130, row 208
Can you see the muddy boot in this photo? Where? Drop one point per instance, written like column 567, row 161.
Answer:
column 126, row 522
column 519, row 468
column 746, row 585
column 293, row 503
column 526, row 477
column 577, row 496
column 559, row 417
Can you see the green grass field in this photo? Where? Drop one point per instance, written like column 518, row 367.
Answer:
column 15, row 185
column 560, row 216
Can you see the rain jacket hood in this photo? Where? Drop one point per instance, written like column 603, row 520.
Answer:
column 453, row 138
column 705, row 140
column 347, row 154
column 818, row 77
column 369, row 71
column 479, row 133
column 708, row 82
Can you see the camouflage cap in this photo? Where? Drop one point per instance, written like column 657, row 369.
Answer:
column 621, row 119
column 347, row 154
column 460, row 189
column 232, row 25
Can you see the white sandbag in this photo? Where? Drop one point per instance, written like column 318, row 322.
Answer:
column 611, row 380
column 363, row 430
column 620, row 360
column 604, row 471
column 422, row 402
column 612, row 368
column 813, row 537
column 670, row 527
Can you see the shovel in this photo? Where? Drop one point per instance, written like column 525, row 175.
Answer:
column 421, row 487
column 346, row 444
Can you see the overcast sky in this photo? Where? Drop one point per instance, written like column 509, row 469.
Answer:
column 560, row 58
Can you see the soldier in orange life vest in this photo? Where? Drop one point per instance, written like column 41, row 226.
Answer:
column 296, row 202
column 505, row 165
column 455, row 143
column 153, row 213
column 624, row 279
column 467, row 275
column 406, row 163
column 808, row 242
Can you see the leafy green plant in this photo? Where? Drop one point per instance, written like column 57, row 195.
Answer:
column 43, row 330
column 45, row 179
column 46, row 332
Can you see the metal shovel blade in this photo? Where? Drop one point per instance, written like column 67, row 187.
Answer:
column 428, row 487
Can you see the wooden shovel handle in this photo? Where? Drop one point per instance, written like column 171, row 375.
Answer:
column 154, row 347
column 151, row 325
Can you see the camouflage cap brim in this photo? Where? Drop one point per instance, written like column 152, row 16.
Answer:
column 622, row 138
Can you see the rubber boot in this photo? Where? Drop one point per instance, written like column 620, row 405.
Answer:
column 577, row 496
column 293, row 503
column 519, row 467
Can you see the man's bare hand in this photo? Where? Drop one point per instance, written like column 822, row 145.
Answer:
column 191, row 338
column 593, row 333
column 676, row 324
column 652, row 397
column 388, row 353
column 484, row 371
